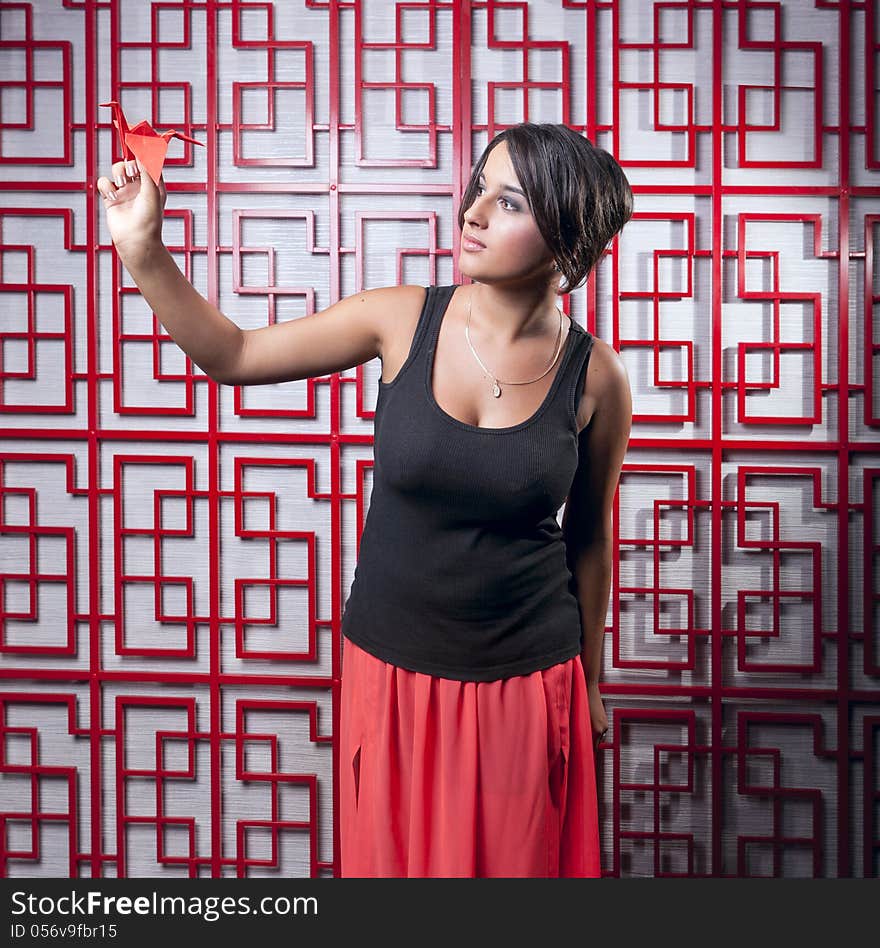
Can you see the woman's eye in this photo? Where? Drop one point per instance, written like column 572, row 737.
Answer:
column 508, row 203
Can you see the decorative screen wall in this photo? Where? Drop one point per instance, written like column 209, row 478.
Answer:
column 176, row 554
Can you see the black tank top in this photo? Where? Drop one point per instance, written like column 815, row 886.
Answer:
column 461, row 571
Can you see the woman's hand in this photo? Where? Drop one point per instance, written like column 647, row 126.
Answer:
column 598, row 717
column 135, row 206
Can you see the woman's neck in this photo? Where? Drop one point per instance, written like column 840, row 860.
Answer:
column 511, row 314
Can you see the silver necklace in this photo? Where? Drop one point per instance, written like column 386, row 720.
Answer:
column 496, row 383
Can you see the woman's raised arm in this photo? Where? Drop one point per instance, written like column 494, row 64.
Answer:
column 348, row 333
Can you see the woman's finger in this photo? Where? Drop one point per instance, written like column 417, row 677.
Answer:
column 119, row 171
column 106, row 189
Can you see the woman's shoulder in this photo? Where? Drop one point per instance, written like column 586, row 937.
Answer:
column 606, row 380
column 606, row 371
column 399, row 326
column 400, row 305
column 397, row 293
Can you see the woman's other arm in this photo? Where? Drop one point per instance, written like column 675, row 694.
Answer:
column 586, row 521
column 348, row 333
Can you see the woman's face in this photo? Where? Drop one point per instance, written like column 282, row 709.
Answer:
column 500, row 219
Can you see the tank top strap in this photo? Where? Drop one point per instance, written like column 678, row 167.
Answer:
column 574, row 369
column 436, row 299
column 436, row 302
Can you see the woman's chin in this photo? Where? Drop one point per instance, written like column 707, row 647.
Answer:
column 466, row 266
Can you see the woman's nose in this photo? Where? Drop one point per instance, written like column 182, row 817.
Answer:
column 476, row 212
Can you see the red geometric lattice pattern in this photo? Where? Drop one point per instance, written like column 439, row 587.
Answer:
column 175, row 554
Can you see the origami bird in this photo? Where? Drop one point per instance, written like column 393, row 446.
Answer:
column 144, row 142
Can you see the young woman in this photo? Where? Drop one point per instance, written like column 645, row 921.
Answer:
column 473, row 630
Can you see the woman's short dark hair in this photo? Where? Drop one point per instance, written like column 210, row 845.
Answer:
column 578, row 194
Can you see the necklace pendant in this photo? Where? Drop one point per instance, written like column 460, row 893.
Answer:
column 496, row 389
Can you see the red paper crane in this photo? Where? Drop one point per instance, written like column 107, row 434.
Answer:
column 144, row 142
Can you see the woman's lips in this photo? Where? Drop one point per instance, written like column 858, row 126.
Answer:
column 472, row 245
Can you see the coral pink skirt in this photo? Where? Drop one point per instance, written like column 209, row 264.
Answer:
column 461, row 778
